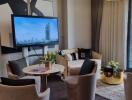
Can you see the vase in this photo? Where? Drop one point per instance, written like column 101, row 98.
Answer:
column 47, row 64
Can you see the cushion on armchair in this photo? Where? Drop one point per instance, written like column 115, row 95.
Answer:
column 84, row 53
column 87, row 67
column 71, row 56
column 74, row 56
column 16, row 66
column 18, row 82
column 68, row 57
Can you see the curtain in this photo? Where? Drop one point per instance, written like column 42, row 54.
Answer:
column 1, row 63
column 111, row 34
column 96, row 15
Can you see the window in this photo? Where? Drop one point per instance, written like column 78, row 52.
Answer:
column 129, row 39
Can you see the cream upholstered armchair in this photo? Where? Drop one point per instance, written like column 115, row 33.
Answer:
column 73, row 67
column 27, row 92
column 82, row 87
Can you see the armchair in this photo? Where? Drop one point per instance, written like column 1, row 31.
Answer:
column 82, row 87
column 27, row 92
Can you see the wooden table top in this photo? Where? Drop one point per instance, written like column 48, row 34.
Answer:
column 39, row 69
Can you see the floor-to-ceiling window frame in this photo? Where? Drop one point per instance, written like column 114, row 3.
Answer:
column 129, row 38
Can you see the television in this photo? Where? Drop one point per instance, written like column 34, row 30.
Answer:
column 34, row 31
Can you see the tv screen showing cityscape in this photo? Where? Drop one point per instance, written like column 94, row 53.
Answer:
column 31, row 31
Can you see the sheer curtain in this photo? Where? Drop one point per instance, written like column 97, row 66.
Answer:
column 112, row 32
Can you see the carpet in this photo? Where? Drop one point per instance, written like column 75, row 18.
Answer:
column 59, row 90
column 111, row 92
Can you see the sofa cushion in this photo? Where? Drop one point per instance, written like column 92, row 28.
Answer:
column 87, row 67
column 75, row 63
column 68, row 57
column 18, row 82
column 71, row 56
column 16, row 66
column 84, row 53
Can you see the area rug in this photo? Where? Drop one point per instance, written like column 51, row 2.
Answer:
column 111, row 92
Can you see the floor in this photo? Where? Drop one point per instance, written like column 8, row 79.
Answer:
column 113, row 92
column 58, row 89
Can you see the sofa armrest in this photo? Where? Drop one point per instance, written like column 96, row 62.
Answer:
column 62, row 61
column 96, row 55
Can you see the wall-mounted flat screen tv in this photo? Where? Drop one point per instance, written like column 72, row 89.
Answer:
column 34, row 31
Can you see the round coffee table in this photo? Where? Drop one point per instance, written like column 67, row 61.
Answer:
column 40, row 70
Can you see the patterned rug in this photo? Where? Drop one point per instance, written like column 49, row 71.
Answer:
column 111, row 92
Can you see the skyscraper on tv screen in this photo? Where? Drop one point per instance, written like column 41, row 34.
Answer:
column 47, row 31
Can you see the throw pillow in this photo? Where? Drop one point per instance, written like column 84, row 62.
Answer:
column 18, row 82
column 84, row 53
column 74, row 57
column 77, row 55
column 16, row 66
column 59, row 52
column 87, row 67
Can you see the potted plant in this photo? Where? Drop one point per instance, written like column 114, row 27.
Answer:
column 48, row 59
column 51, row 56
column 112, row 73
